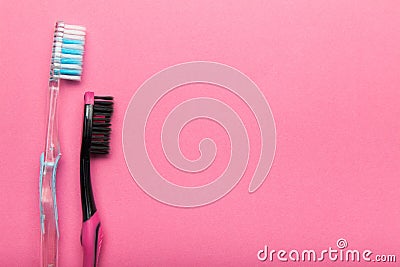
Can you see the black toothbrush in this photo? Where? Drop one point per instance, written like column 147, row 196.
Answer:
column 95, row 140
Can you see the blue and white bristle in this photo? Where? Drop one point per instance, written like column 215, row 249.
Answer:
column 68, row 49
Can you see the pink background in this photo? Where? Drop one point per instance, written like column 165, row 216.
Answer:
column 329, row 70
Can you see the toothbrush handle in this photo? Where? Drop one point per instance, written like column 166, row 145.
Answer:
column 91, row 239
column 48, row 214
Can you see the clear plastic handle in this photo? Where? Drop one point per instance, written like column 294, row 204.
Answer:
column 47, row 184
column 48, row 214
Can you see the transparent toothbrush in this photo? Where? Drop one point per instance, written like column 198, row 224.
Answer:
column 66, row 63
column 49, row 161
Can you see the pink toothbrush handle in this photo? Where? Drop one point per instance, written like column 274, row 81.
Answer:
column 92, row 237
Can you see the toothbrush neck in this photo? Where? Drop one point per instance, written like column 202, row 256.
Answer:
column 52, row 149
column 88, row 204
column 87, row 199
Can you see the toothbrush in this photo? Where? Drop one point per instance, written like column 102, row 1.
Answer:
column 95, row 140
column 66, row 63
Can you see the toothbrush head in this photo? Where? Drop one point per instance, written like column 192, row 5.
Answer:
column 67, row 53
column 103, row 108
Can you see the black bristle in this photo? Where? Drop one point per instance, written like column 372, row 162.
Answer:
column 101, row 107
column 105, row 103
column 104, row 97
column 101, row 129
